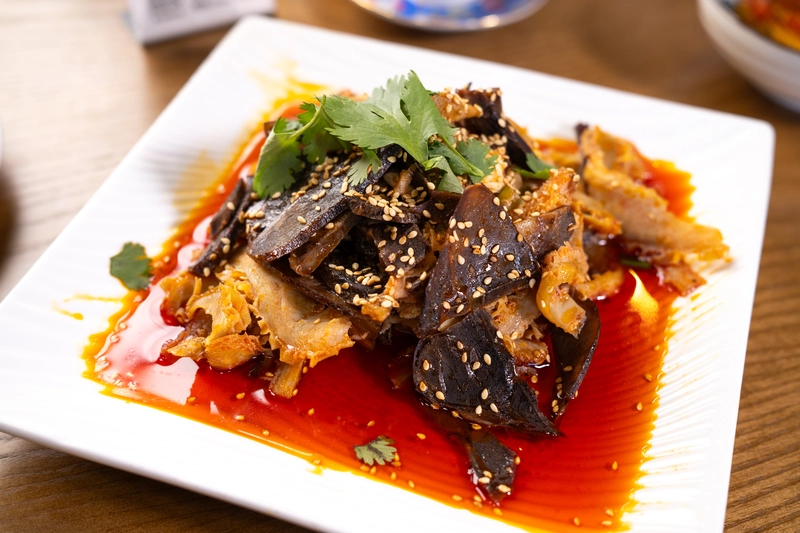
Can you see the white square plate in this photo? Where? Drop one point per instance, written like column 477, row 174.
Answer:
column 45, row 398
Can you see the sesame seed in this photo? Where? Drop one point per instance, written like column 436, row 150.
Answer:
column 426, row 213
column 639, row 406
column 499, row 334
column 517, row 460
column 487, row 359
column 411, row 484
column 464, row 357
column 265, row 432
column 502, row 215
column 484, row 394
column 439, row 395
column 476, row 294
column 393, row 476
column 457, row 498
column 567, row 368
column 439, row 206
column 502, row 122
column 497, row 511
column 648, row 377
column 460, row 308
column 329, row 225
column 576, row 521
column 478, row 410
column 422, row 386
column 487, row 280
column 504, row 489
column 614, row 465
column 493, row 407
column 426, row 365
column 240, row 396
column 509, row 257
column 484, row 480
column 496, row 248
column 311, row 411
column 386, row 304
column 421, row 436
column 461, row 260
column 301, row 220
column 476, row 365
column 239, row 417
column 230, row 206
column 519, row 237
column 390, row 268
column 496, row 200
column 606, row 523
column 206, row 272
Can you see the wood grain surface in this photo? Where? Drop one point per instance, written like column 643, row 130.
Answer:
column 76, row 92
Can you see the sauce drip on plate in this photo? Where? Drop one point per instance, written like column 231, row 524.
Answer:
column 585, row 477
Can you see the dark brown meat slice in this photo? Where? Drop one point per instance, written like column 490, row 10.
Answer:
column 363, row 330
column 438, row 208
column 226, row 228
column 574, row 355
column 308, row 257
column 492, row 122
column 493, row 464
column 301, row 219
column 382, row 211
column 548, row 231
column 338, row 274
column 468, row 370
column 399, row 247
column 485, row 258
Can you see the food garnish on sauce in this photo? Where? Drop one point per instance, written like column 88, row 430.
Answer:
column 435, row 283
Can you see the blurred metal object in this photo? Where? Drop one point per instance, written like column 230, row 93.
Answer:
column 452, row 15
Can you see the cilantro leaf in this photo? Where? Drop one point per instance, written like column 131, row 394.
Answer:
column 477, row 153
column 449, row 181
column 132, row 267
column 538, row 168
column 316, row 139
column 359, row 171
column 279, row 159
column 401, row 113
column 378, row 451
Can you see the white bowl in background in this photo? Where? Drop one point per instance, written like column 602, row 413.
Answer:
column 771, row 67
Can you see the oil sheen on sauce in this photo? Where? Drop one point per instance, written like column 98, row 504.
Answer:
column 585, row 477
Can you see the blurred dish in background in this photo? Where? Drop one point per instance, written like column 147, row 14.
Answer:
column 777, row 19
column 152, row 21
column 771, row 67
column 452, row 15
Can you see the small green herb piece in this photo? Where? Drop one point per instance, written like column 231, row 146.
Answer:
column 635, row 263
column 359, row 171
column 538, row 168
column 378, row 451
column 449, row 181
column 132, row 267
column 316, row 139
column 279, row 159
column 477, row 153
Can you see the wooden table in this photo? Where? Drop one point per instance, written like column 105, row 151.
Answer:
column 76, row 92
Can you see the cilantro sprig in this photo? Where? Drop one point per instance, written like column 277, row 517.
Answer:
column 132, row 267
column 402, row 113
column 378, row 451
column 537, row 169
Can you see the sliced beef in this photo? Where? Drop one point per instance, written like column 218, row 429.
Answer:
column 309, row 256
column 547, row 232
column 492, row 122
column 494, row 465
column 484, row 258
column 318, row 205
column 226, row 228
column 468, row 370
column 574, row 355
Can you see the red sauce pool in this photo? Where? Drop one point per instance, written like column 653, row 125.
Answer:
column 588, row 474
